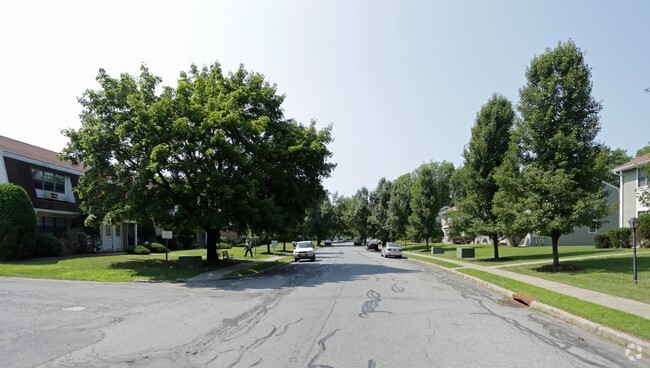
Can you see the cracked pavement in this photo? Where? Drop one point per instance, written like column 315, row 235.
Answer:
column 350, row 308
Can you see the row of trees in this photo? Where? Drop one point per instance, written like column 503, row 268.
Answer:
column 540, row 171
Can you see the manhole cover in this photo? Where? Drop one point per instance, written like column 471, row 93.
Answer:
column 512, row 303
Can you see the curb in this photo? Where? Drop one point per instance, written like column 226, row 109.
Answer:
column 608, row 333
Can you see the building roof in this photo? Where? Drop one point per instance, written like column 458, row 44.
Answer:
column 35, row 153
column 639, row 161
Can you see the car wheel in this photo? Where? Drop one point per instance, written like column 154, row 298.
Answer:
column 313, row 259
column 295, row 259
column 399, row 256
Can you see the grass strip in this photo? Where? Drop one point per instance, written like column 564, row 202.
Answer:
column 434, row 261
column 625, row 322
column 259, row 267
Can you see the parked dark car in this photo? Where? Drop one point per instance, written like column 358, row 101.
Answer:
column 372, row 244
column 328, row 243
column 357, row 242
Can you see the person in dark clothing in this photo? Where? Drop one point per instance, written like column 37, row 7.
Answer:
column 249, row 247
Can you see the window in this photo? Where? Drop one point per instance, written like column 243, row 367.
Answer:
column 51, row 225
column 46, row 180
column 108, row 230
column 118, row 231
column 592, row 230
column 642, row 178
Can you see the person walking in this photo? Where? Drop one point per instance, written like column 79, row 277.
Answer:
column 249, row 247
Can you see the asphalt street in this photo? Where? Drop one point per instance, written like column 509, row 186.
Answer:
column 350, row 308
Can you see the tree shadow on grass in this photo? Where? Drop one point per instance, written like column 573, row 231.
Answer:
column 615, row 265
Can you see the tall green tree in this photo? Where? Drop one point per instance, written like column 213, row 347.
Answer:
column 379, row 210
column 359, row 213
column 213, row 153
column 483, row 155
column 643, row 150
column 431, row 191
column 555, row 180
column 320, row 220
column 399, row 206
column 614, row 158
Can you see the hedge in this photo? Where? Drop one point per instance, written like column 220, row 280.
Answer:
column 17, row 223
column 602, row 241
column 621, row 237
column 47, row 245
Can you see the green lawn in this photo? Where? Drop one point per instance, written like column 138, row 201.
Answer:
column 119, row 268
column 611, row 276
column 484, row 254
column 631, row 324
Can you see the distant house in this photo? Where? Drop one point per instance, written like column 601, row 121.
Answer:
column 633, row 181
column 49, row 183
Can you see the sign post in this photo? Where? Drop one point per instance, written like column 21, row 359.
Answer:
column 274, row 244
column 167, row 234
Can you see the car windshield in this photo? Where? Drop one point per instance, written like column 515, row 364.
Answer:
column 304, row 245
column 393, row 246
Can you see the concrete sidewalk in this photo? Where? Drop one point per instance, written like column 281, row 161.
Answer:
column 625, row 305
column 220, row 273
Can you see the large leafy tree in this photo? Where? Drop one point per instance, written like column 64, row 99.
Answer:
column 320, row 220
column 614, row 158
column 554, row 178
column 399, row 206
column 431, row 191
column 215, row 152
column 358, row 216
column 379, row 208
column 483, row 155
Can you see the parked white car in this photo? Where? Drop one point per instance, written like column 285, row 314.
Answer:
column 391, row 250
column 304, row 250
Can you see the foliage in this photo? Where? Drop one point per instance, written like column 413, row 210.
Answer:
column 17, row 223
column 643, row 150
column 602, row 241
column 613, row 159
column 431, row 191
column 130, row 249
column 139, row 249
column 484, row 153
column 643, row 231
column 157, row 248
column 215, row 152
column 379, row 202
column 359, row 213
column 47, row 245
column 552, row 178
column 320, row 220
column 399, row 207
column 620, row 237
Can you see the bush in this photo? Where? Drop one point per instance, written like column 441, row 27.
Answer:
column 17, row 223
column 224, row 246
column 157, row 248
column 643, row 231
column 602, row 241
column 130, row 249
column 139, row 249
column 621, row 237
column 47, row 245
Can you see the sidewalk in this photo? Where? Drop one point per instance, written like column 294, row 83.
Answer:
column 625, row 305
column 220, row 273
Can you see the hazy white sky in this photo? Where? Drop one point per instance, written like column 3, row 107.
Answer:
column 400, row 81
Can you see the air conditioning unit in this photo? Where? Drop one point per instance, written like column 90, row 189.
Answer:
column 52, row 195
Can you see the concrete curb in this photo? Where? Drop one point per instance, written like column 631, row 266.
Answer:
column 608, row 333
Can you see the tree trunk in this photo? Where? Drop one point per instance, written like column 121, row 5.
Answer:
column 426, row 241
column 211, row 245
column 284, row 246
column 495, row 243
column 556, row 257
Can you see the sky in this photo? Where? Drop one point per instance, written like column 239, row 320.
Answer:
column 400, row 82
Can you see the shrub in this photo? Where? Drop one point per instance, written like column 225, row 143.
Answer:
column 643, row 231
column 17, row 223
column 602, row 241
column 130, row 249
column 621, row 237
column 157, row 248
column 139, row 249
column 47, row 245
column 224, row 246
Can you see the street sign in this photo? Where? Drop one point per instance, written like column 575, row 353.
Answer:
column 167, row 234
column 274, row 244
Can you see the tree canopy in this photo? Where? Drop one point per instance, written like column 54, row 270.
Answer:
column 214, row 152
column 483, row 155
column 431, row 191
column 554, row 178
